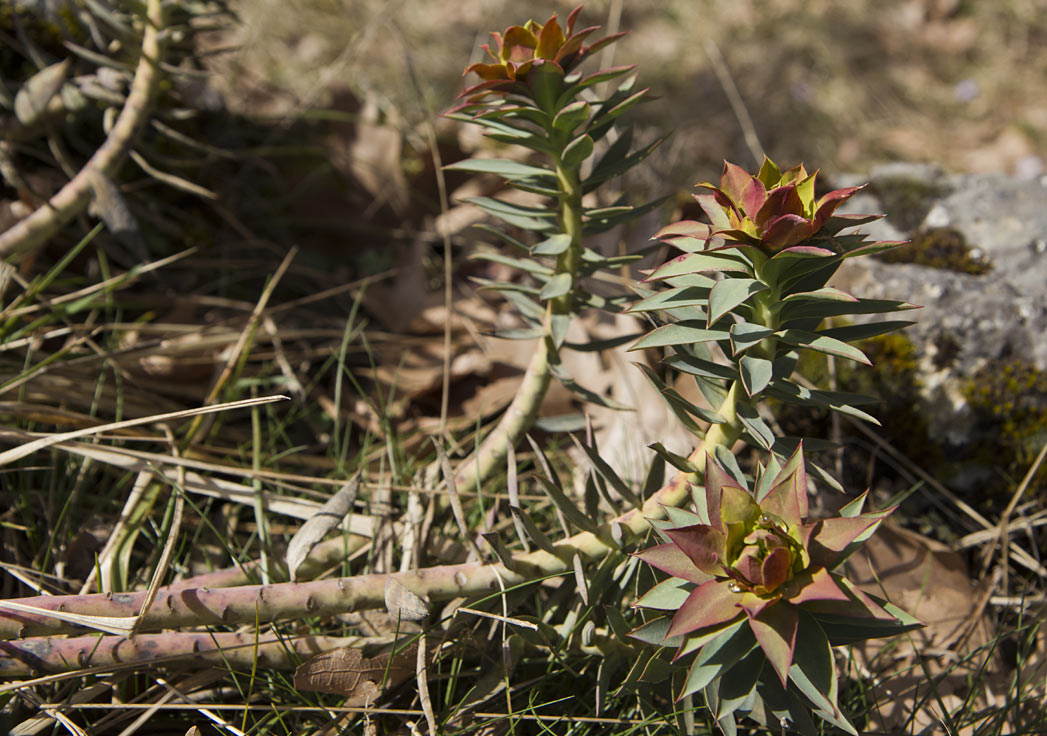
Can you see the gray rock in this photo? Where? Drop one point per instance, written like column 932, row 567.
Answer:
column 967, row 322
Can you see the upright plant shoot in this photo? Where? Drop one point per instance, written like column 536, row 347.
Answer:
column 756, row 592
column 533, row 94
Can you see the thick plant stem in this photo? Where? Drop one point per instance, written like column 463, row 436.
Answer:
column 33, row 230
column 262, row 603
column 518, row 418
column 244, row 650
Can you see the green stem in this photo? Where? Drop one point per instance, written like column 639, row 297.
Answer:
column 490, row 457
column 570, row 224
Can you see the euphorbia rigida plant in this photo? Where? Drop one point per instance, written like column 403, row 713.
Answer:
column 756, row 592
column 534, row 95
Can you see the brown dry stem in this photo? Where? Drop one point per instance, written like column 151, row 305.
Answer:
column 262, row 603
column 34, row 229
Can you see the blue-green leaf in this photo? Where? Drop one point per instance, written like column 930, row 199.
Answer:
column 653, row 632
column 558, row 285
column 607, row 473
column 677, row 461
column 756, row 427
column 814, row 672
column 501, row 167
column 850, row 333
column 822, row 344
column 577, row 151
column 722, row 653
column 687, row 296
column 746, row 334
column 697, row 263
column 553, row 245
column 523, row 264
column 756, row 373
column 572, row 513
column 571, row 116
column 699, row 367
column 679, row 333
column 730, row 293
column 527, row 218
column 667, row 595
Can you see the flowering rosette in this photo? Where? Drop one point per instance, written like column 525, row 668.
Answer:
column 752, row 569
column 773, row 211
column 533, row 57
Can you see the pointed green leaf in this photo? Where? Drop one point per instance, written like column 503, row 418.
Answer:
column 521, row 263
column 577, row 151
column 814, row 671
column 552, row 246
column 699, row 367
column 527, row 218
column 612, row 164
column 696, row 263
column 822, row 344
column 826, row 293
column 737, row 686
column 681, row 407
column 756, row 427
column 677, row 461
column 655, row 478
column 533, row 532
column 679, row 333
column 560, row 500
column 653, row 632
column 501, row 236
column 785, row 709
column 850, row 333
column 730, row 293
column 744, row 335
column 588, row 396
column 718, row 655
column 509, row 169
column 519, row 333
column 687, row 296
column 607, row 473
column 756, row 373
column 500, row 550
column 667, row 595
column 775, row 629
column 571, row 116
column 558, row 285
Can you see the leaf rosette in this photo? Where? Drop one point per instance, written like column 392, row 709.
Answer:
column 534, row 55
column 752, row 568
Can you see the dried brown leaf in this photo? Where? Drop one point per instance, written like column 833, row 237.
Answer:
column 348, row 672
column 327, row 518
column 402, row 604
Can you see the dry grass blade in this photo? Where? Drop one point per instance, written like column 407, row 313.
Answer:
column 17, row 453
column 120, row 625
column 1003, row 538
column 242, row 344
column 169, row 546
column 456, row 502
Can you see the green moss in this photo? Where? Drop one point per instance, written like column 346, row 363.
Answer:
column 940, row 247
column 906, row 199
column 1011, row 397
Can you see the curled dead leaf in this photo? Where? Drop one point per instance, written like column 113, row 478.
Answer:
column 327, row 518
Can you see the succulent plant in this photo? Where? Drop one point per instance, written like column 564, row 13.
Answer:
column 757, row 588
